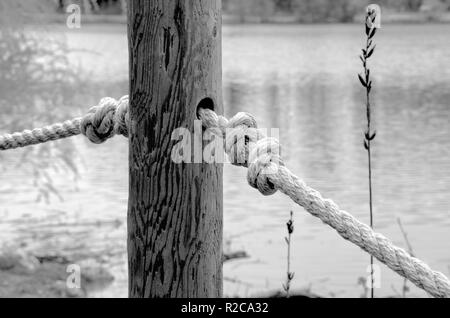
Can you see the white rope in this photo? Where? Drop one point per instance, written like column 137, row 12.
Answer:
column 267, row 173
column 108, row 118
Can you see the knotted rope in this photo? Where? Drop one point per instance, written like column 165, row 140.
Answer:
column 267, row 173
column 108, row 118
column 247, row 146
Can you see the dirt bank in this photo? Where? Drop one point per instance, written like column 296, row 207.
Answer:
column 25, row 275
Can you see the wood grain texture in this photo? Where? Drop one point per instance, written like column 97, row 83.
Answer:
column 175, row 210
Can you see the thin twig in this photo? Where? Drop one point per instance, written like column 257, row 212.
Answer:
column 369, row 136
column 289, row 274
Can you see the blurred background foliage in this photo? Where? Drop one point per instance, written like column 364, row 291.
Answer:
column 312, row 11
column 303, row 11
column 37, row 87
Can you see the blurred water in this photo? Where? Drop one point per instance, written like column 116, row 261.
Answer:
column 302, row 80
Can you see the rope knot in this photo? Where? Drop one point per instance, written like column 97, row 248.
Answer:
column 108, row 118
column 264, row 161
column 241, row 132
column 242, row 119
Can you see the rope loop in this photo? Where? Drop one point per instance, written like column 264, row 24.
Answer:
column 122, row 122
column 108, row 118
column 247, row 146
column 241, row 131
column 242, row 119
column 264, row 161
column 238, row 142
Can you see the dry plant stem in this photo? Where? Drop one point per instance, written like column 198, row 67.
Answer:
column 289, row 274
column 369, row 136
column 370, row 168
column 411, row 252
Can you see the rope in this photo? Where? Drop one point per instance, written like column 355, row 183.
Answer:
column 267, row 173
column 248, row 147
column 108, row 118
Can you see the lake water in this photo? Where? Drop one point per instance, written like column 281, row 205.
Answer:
column 302, row 80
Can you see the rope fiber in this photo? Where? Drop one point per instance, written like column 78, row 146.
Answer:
column 248, row 147
column 108, row 118
column 267, row 173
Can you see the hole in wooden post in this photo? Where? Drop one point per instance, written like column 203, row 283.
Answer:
column 205, row 103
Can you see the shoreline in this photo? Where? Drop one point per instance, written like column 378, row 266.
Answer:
column 227, row 19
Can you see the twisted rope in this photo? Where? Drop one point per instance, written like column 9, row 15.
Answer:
column 108, row 118
column 248, row 147
column 267, row 173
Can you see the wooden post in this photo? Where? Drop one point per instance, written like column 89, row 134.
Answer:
column 175, row 210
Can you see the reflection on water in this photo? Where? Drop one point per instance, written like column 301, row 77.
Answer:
column 302, row 80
